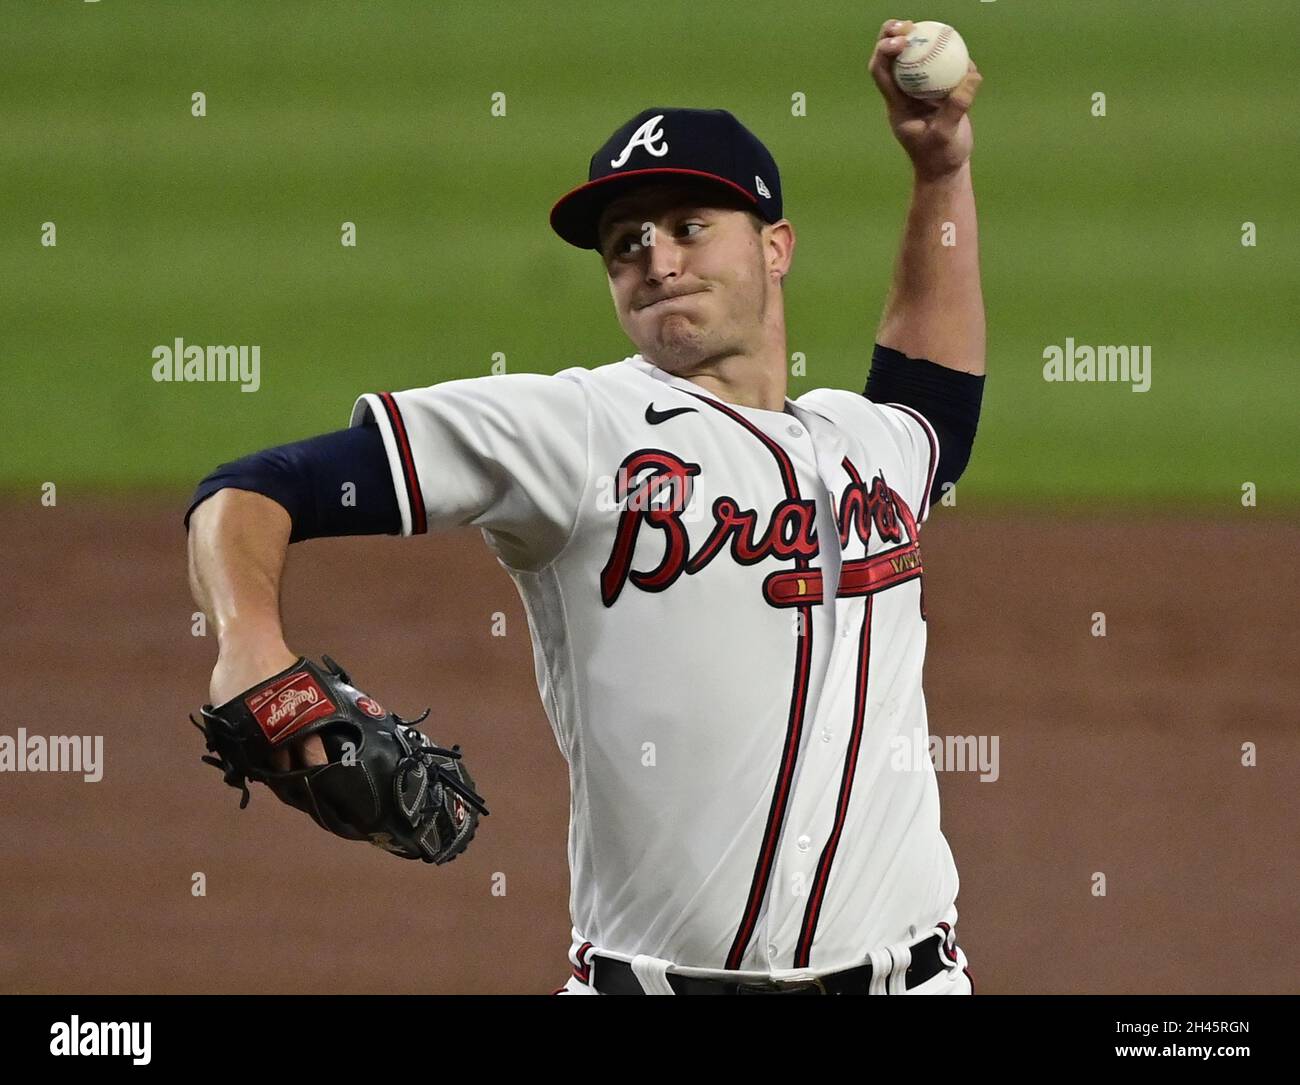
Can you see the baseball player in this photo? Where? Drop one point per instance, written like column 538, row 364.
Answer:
column 723, row 585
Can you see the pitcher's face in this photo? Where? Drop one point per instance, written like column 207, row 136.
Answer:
column 687, row 271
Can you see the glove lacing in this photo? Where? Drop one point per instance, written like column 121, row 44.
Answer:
column 425, row 752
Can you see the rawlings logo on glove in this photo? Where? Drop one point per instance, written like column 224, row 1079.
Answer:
column 288, row 704
column 385, row 782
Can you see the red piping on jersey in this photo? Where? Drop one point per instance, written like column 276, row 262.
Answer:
column 419, row 521
column 934, row 458
column 858, row 577
column 812, row 912
column 794, row 725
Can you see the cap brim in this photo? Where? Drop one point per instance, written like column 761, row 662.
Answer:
column 576, row 214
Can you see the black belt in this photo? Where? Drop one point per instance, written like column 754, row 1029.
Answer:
column 611, row 977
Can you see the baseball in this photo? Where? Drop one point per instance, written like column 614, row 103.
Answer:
column 933, row 62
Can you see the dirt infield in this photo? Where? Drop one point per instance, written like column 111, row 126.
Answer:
column 1119, row 755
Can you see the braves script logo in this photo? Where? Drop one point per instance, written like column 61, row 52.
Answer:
column 646, row 136
column 657, row 486
column 288, row 705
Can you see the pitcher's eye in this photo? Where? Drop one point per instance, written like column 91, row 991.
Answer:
column 621, row 245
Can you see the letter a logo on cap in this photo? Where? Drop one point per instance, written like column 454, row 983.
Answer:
column 646, row 136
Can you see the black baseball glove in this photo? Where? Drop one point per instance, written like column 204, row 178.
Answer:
column 385, row 782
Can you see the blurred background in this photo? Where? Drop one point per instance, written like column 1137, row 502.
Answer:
column 1173, row 511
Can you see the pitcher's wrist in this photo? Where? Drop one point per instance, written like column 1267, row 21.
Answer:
column 938, row 178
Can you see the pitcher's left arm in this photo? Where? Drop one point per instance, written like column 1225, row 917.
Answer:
column 935, row 308
column 930, row 345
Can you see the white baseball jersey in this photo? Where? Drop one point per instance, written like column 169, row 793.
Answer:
column 728, row 629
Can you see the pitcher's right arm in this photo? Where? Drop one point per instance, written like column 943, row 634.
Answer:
column 241, row 521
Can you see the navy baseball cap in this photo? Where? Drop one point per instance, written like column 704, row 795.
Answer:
column 705, row 143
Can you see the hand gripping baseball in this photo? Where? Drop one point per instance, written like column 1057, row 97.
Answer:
column 384, row 783
column 936, row 134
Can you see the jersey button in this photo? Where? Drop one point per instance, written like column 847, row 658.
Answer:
column 826, row 736
column 795, row 431
column 771, row 949
column 804, row 842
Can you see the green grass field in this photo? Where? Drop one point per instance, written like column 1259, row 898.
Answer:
column 225, row 229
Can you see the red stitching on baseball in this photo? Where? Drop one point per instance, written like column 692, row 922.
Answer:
column 935, row 47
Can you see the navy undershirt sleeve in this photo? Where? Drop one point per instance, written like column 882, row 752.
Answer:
column 949, row 399
column 308, row 479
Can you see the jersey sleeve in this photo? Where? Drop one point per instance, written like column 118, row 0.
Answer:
column 909, row 433
column 505, row 453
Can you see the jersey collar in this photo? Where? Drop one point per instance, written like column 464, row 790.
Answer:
column 649, row 368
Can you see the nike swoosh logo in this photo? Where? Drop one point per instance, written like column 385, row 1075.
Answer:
column 655, row 417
